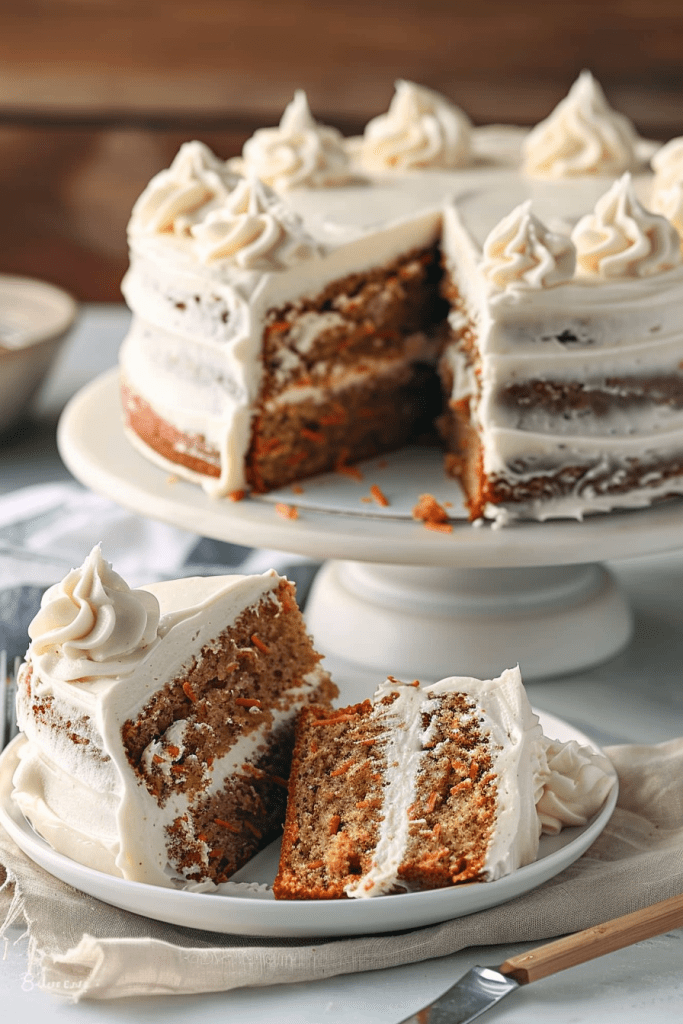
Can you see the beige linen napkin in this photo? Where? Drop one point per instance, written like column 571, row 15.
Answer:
column 80, row 947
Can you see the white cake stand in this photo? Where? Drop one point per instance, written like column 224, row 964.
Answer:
column 393, row 596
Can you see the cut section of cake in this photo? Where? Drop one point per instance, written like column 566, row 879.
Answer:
column 425, row 787
column 159, row 722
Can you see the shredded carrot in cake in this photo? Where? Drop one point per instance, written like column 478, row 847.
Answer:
column 266, row 446
column 334, row 721
column 173, row 750
column 287, row 511
column 335, row 822
column 247, row 702
column 336, row 417
column 263, row 648
column 431, row 803
column 379, row 496
column 227, row 824
column 252, row 828
column 189, row 692
column 474, row 770
column 278, row 780
column 157, row 759
column 202, row 837
column 253, row 770
column 341, row 466
column 343, row 768
column 296, row 458
column 316, row 863
column 312, row 435
column 237, row 495
column 215, row 854
column 278, row 327
column 367, row 743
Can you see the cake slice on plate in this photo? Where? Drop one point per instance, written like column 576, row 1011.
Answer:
column 425, row 787
column 159, row 722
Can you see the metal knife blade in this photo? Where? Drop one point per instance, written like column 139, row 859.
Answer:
column 477, row 991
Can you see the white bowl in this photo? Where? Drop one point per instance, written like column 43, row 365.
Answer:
column 35, row 318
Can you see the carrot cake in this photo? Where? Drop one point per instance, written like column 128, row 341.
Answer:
column 158, row 723
column 425, row 787
column 292, row 306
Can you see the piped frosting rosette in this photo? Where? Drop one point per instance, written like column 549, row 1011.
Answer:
column 583, row 135
column 575, row 786
column 520, row 252
column 623, row 239
column 176, row 197
column 92, row 624
column 420, row 129
column 299, row 153
column 253, row 230
column 667, row 185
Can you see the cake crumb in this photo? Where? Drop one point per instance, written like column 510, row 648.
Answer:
column 433, row 515
column 237, row 495
column 287, row 511
column 378, row 495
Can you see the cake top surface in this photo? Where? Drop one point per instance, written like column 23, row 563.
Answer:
column 319, row 192
column 92, row 629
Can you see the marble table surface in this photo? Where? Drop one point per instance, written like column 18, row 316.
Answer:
column 637, row 696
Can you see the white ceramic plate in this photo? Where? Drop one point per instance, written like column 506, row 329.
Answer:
column 254, row 914
column 334, row 521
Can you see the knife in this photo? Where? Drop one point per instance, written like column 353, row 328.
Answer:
column 483, row 987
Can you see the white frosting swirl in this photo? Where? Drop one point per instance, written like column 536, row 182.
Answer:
column 623, row 239
column 254, row 230
column 92, row 624
column 575, row 788
column 300, row 153
column 521, row 252
column 583, row 135
column 420, row 129
column 667, row 163
column 170, row 202
column 667, row 185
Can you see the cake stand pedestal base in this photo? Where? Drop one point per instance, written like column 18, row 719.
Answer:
column 369, row 619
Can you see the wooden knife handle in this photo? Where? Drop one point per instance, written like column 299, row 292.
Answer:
column 594, row 942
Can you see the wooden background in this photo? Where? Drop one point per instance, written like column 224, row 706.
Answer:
column 97, row 95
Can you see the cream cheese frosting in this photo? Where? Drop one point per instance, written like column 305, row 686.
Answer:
column 623, row 239
column 300, row 153
column 253, row 230
column 583, row 135
column 92, row 624
column 420, row 129
column 195, row 181
column 521, row 252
